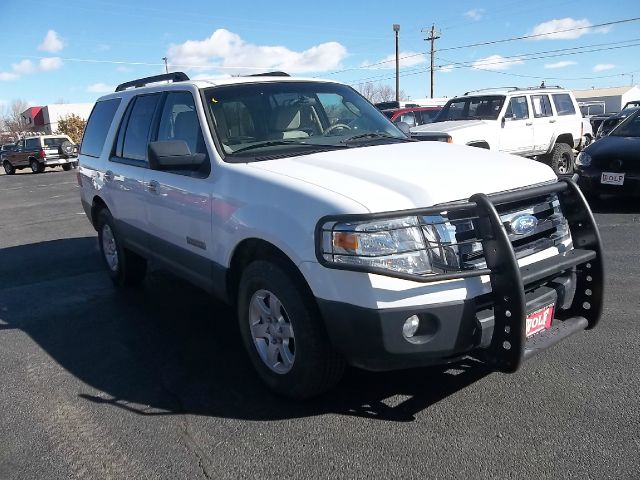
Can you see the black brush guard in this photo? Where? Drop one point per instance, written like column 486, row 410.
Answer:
column 509, row 282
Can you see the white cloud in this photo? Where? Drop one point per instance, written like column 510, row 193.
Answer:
column 51, row 42
column 496, row 63
column 562, row 64
column 225, row 50
column 474, row 14
column 23, row 67
column 103, row 47
column 558, row 25
column 49, row 63
column 445, row 68
column 101, row 88
column 407, row 59
column 601, row 67
column 6, row 76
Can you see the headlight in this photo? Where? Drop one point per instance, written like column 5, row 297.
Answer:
column 584, row 159
column 406, row 245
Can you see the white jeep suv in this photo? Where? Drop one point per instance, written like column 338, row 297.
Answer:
column 338, row 239
column 545, row 123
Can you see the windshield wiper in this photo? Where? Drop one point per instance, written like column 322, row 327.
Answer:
column 373, row 135
column 275, row 143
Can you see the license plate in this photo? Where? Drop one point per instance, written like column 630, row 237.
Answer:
column 539, row 320
column 609, row 178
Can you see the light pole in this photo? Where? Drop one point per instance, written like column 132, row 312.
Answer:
column 166, row 67
column 396, row 28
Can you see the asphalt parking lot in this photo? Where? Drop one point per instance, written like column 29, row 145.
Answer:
column 153, row 383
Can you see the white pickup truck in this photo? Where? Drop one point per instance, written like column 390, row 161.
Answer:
column 542, row 123
column 337, row 239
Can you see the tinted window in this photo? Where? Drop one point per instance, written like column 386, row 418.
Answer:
column 629, row 128
column 426, row 116
column 136, row 135
column 95, row 133
column 54, row 142
column 408, row 118
column 179, row 121
column 32, row 143
column 472, row 108
column 541, row 106
column 518, row 108
column 563, row 103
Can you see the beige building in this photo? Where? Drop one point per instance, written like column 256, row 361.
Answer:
column 614, row 98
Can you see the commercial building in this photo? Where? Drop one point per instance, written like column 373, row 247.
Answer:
column 44, row 120
column 614, row 98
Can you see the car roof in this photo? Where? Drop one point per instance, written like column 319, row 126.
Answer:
column 412, row 109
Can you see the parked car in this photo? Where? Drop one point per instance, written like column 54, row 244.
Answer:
column 412, row 116
column 612, row 164
column 592, row 108
column 6, row 148
column 633, row 103
column 611, row 122
column 544, row 123
column 40, row 152
column 587, row 136
column 336, row 238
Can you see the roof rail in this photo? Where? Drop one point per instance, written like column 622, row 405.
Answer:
column 514, row 89
column 270, row 74
column 141, row 82
column 491, row 88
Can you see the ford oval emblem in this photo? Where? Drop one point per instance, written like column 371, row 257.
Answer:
column 523, row 224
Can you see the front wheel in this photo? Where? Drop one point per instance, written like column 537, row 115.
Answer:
column 124, row 267
column 283, row 333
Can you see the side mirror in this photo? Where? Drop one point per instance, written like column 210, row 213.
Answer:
column 173, row 155
column 404, row 127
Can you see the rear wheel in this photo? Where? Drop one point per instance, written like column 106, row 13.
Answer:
column 35, row 166
column 561, row 159
column 66, row 167
column 283, row 332
column 8, row 168
column 124, row 267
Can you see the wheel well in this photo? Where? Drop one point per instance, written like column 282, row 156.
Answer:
column 565, row 138
column 253, row 249
column 481, row 144
column 97, row 205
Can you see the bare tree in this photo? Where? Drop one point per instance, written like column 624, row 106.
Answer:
column 378, row 92
column 12, row 120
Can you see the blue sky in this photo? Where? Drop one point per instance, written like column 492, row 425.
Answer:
column 78, row 50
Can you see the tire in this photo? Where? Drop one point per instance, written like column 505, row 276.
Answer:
column 8, row 168
column 125, row 268
column 66, row 167
column 66, row 148
column 305, row 364
column 36, row 167
column 561, row 159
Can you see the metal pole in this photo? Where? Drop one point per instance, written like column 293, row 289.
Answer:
column 432, row 38
column 166, row 67
column 396, row 28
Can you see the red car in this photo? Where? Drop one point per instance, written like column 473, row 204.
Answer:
column 413, row 116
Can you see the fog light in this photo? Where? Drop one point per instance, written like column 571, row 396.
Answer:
column 410, row 326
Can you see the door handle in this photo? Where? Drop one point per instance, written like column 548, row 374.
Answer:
column 108, row 176
column 528, row 124
column 552, row 121
column 153, row 187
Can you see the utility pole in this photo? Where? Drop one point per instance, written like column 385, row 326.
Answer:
column 433, row 36
column 396, row 28
column 166, row 67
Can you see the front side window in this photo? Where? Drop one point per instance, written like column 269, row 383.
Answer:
column 518, row 108
column 293, row 118
column 541, row 106
column 135, row 137
column 564, row 104
column 472, row 108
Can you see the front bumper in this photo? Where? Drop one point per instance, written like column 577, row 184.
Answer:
column 589, row 182
column 491, row 326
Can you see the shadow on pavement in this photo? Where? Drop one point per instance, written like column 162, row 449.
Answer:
column 168, row 348
column 615, row 204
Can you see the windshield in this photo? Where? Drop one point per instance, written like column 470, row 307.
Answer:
column 282, row 118
column 629, row 128
column 472, row 108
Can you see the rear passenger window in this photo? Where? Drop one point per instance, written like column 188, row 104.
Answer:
column 95, row 133
column 32, row 143
column 136, row 135
column 563, row 103
column 541, row 106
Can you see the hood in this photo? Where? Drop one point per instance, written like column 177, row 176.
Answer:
column 451, row 126
column 411, row 175
column 613, row 147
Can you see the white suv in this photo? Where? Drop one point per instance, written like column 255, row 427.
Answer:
column 338, row 239
column 545, row 123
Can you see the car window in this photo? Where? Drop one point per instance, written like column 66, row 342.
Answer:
column 563, row 103
column 426, row 116
column 54, row 142
column 629, row 128
column 409, row 118
column 541, row 106
column 32, row 143
column 136, row 133
column 518, row 108
column 179, row 121
column 95, row 132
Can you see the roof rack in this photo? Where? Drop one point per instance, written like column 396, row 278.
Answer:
column 270, row 74
column 515, row 89
column 142, row 82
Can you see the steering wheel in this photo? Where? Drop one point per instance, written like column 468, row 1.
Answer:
column 335, row 127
